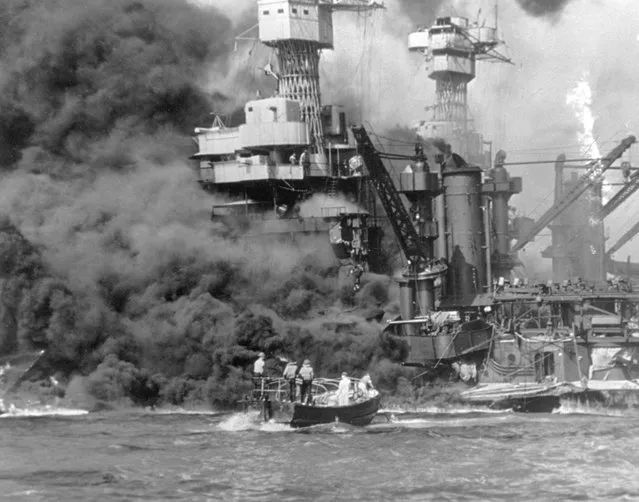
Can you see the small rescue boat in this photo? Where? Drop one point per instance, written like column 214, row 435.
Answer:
column 271, row 399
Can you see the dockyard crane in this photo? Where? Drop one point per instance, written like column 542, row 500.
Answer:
column 630, row 187
column 417, row 281
column 409, row 240
column 625, row 238
column 594, row 170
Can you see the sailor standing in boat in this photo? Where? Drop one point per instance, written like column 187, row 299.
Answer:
column 365, row 384
column 306, row 374
column 290, row 375
column 343, row 390
column 258, row 371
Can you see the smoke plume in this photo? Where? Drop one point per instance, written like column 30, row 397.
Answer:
column 423, row 13
column 540, row 8
column 109, row 258
column 95, row 83
column 121, row 274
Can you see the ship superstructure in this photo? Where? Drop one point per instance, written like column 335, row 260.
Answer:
column 520, row 344
column 292, row 146
column 517, row 342
column 451, row 48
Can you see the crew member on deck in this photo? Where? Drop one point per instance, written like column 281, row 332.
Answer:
column 306, row 374
column 258, row 366
column 258, row 370
column 290, row 374
column 343, row 390
column 365, row 385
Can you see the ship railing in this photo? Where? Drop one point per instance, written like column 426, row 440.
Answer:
column 332, row 211
column 330, row 387
column 277, row 389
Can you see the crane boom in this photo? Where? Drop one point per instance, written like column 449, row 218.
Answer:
column 585, row 182
column 627, row 237
column 621, row 196
column 399, row 218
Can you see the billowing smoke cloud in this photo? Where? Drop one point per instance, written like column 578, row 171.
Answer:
column 371, row 71
column 543, row 7
column 420, row 11
column 109, row 258
column 83, row 81
column 136, row 287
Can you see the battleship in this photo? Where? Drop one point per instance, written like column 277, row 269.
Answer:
column 465, row 304
column 292, row 146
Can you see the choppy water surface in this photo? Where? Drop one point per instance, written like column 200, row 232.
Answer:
column 56, row 454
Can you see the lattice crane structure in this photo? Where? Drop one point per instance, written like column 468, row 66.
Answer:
column 630, row 187
column 586, row 181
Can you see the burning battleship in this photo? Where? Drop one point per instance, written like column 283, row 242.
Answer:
column 292, row 146
column 518, row 344
column 464, row 304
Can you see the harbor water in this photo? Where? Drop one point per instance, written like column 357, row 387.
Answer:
column 57, row 454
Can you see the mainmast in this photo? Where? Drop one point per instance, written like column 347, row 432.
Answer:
column 451, row 47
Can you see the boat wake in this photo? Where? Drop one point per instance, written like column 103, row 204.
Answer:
column 572, row 407
column 443, row 410
column 251, row 421
column 41, row 411
column 182, row 411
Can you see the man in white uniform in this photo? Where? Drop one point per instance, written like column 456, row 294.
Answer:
column 343, row 390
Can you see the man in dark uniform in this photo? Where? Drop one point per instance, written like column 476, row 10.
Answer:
column 290, row 374
column 306, row 374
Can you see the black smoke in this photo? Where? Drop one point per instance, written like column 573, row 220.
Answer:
column 83, row 81
column 543, row 8
column 422, row 12
column 109, row 258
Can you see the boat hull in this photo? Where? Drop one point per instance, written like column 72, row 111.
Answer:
column 359, row 414
column 301, row 415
